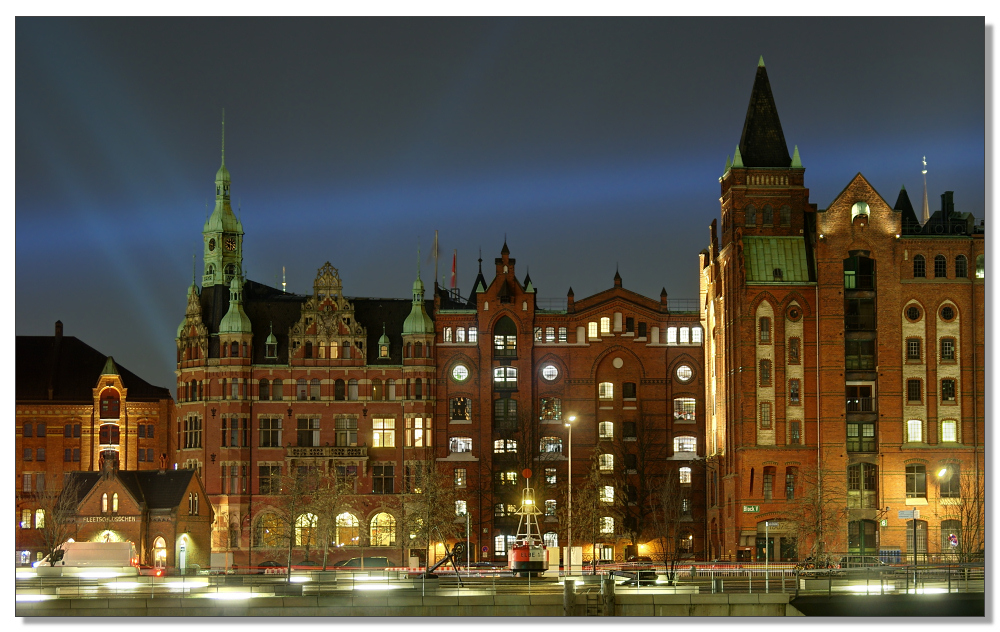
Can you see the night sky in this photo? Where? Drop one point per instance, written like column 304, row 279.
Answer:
column 589, row 143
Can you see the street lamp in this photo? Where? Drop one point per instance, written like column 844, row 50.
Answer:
column 569, row 424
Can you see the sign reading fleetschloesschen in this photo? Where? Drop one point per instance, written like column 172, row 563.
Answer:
column 111, row 519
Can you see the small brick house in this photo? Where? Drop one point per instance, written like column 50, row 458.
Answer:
column 165, row 513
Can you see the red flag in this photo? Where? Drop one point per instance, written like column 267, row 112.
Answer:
column 454, row 264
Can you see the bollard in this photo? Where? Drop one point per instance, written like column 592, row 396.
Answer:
column 608, row 594
column 569, row 596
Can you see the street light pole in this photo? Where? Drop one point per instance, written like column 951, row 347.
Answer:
column 569, row 425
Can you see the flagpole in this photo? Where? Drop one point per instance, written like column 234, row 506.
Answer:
column 435, row 256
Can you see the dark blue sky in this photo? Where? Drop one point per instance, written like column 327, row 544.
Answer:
column 590, row 143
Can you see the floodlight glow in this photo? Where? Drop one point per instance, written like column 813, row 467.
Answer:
column 187, row 585
column 229, row 596
column 25, row 573
column 299, row 579
column 99, row 575
column 33, row 597
column 123, row 585
column 927, row 591
column 376, row 587
column 871, row 589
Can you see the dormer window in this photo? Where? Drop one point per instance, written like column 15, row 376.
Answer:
column 859, row 208
column 110, row 404
column 383, row 351
column 271, row 350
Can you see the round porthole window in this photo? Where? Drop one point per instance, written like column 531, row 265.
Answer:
column 913, row 313
column 460, row 373
column 550, row 372
column 684, row 373
column 947, row 312
column 794, row 313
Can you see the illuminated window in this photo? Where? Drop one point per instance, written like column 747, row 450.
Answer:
column 605, row 325
column 551, row 408
column 460, row 373
column 418, row 432
column 685, row 444
column 270, row 532
column 550, row 372
column 551, row 444
column 607, row 525
column 305, row 529
column 605, row 390
column 550, row 476
column 606, row 462
column 859, row 208
column 39, row 518
column 914, row 430
column 501, row 446
column 460, row 335
column 447, row 334
column 949, row 430
column 671, row 335
column 684, row 475
column 460, row 444
column 347, row 530
column 684, row 409
column 114, row 503
column 685, row 335
column 384, row 433
column 562, row 334
column 460, row 477
column 473, row 334
column 460, row 508
column 981, row 267
column 606, row 430
column 550, row 507
column 550, row 334
column 607, row 494
column 592, row 329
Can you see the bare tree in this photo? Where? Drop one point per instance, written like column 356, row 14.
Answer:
column 671, row 519
column 58, row 509
column 818, row 512
column 430, row 506
column 967, row 543
column 594, row 507
column 294, row 506
column 640, row 465
column 330, row 497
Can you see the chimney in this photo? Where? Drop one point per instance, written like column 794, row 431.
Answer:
column 569, row 301
column 663, row 300
column 59, row 329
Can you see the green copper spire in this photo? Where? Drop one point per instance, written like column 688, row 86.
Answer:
column 418, row 322
column 760, row 64
column 109, row 367
column 796, row 161
column 737, row 159
column 235, row 321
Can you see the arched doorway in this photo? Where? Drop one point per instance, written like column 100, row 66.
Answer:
column 159, row 553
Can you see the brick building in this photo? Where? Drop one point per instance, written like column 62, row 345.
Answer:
column 75, row 408
column 845, row 363
column 165, row 513
column 366, row 392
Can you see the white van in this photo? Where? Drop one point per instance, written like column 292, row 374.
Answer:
column 92, row 554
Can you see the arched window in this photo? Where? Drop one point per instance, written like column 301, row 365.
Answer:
column 862, row 486
column 390, row 389
column 352, row 389
column 505, row 338
column 378, row 391
column 270, row 532
column 109, row 434
column 110, row 404
column 786, row 215
column 605, row 325
column 263, row 390
column 606, row 462
column 314, row 389
column 751, row 216
column 605, row 390
column 305, row 530
column 447, row 334
column 919, row 267
column 276, row 391
column 961, row 267
column 409, row 350
column 308, row 353
column 114, row 503
column 418, row 350
column 104, row 503
column 383, row 530
column 234, row 350
column 768, row 214
column 859, row 208
column 339, row 392
column 39, row 518
column 606, row 430
column 765, row 329
column 940, row 267
column 301, row 392
column 347, row 530
column 684, row 475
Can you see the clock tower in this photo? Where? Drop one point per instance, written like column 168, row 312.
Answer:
column 223, row 232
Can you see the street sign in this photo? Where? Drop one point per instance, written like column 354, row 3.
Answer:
column 909, row 514
column 773, row 524
column 751, row 508
column 486, row 549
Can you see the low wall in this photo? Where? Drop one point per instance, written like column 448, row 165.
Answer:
column 408, row 605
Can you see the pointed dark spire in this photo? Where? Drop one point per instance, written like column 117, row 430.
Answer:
column 570, row 293
column 527, row 278
column 663, row 292
column 618, row 278
column 505, row 250
column 762, row 143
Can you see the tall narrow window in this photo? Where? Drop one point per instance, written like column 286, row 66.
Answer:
column 919, row 267
column 768, row 482
column 751, row 216
column 765, row 415
column 786, row 215
column 981, row 266
column 765, row 329
column 795, row 433
column 505, row 338
column 916, row 481
column 793, row 350
column 914, row 430
column 961, row 267
column 913, row 391
column 948, row 390
column 384, row 433
column 913, row 349
column 947, row 349
column 605, row 325
column 791, row 474
column 767, row 215
column 793, row 392
column 940, row 267
column 605, row 390
column 765, row 372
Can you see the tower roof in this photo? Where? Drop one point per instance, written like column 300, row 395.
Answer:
column 762, row 143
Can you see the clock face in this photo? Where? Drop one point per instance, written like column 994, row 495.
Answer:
column 230, row 244
column 211, row 245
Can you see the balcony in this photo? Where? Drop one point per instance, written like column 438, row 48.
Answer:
column 334, row 452
column 861, row 405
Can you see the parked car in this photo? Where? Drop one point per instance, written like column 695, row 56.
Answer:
column 364, row 562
